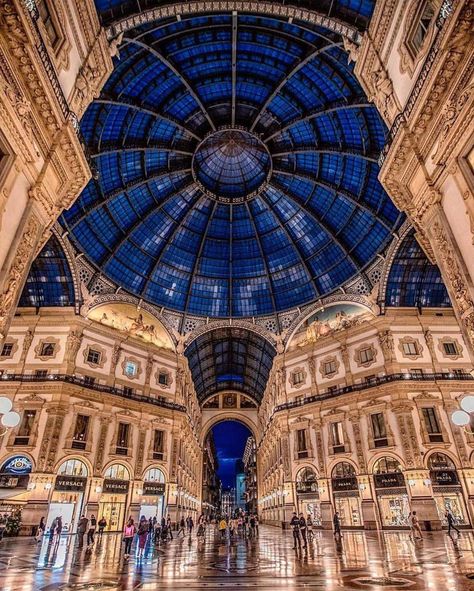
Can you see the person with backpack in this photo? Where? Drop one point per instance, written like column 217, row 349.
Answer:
column 128, row 534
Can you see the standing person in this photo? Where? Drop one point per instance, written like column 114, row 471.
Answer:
column 222, row 527
column 40, row 530
column 168, row 525
column 59, row 527
column 450, row 519
column 142, row 534
column 246, row 524
column 416, row 526
column 191, row 525
column 309, row 530
column 3, row 525
column 81, row 530
column 295, row 524
column 252, row 526
column 153, row 525
column 91, row 531
column 128, row 533
column 256, row 524
column 181, row 527
column 303, row 530
column 337, row 525
column 102, row 525
column 52, row 527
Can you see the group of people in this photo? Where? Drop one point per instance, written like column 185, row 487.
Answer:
column 243, row 525
column 302, row 528
column 89, row 526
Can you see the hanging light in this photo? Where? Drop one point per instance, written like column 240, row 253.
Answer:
column 5, row 404
column 460, row 418
column 467, row 403
column 11, row 419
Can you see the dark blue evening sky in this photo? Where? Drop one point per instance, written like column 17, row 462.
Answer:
column 230, row 438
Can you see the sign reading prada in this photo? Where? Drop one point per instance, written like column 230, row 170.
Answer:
column 345, row 483
column 393, row 480
column 153, row 488
column 70, row 483
column 116, row 486
column 444, row 477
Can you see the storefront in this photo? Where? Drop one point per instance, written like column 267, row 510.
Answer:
column 67, row 497
column 391, row 492
column 345, row 490
column 447, row 490
column 153, row 499
column 14, row 478
column 114, row 498
column 307, row 493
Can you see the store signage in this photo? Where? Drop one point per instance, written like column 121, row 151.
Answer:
column 11, row 481
column 392, row 480
column 307, row 487
column 116, row 486
column 444, row 477
column 153, row 488
column 349, row 483
column 70, row 483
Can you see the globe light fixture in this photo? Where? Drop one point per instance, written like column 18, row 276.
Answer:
column 467, row 404
column 460, row 418
column 11, row 419
column 5, row 405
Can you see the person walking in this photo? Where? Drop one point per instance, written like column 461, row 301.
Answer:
column 91, row 531
column 303, row 530
column 40, row 530
column 102, row 525
column 337, row 525
column 451, row 524
column 222, row 527
column 190, row 526
column 181, row 527
column 128, row 533
column 309, row 528
column 295, row 525
column 81, row 530
column 52, row 527
column 168, row 527
column 142, row 534
column 416, row 526
column 59, row 527
column 252, row 526
column 3, row 525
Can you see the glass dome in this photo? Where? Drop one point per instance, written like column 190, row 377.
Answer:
column 237, row 167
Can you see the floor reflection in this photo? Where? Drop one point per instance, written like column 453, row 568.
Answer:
column 359, row 560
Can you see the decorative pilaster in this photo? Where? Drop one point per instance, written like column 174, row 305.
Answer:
column 354, row 418
column 99, row 457
column 51, row 436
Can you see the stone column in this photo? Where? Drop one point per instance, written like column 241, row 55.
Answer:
column 388, row 349
column 104, row 421
column 347, row 365
column 73, row 344
column 50, row 442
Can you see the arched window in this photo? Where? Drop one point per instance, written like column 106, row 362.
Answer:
column 17, row 465
column 343, row 470
column 154, row 475
column 306, row 481
column 117, row 472
column 387, row 465
column 439, row 461
column 73, row 468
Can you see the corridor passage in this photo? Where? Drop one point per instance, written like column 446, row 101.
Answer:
column 372, row 561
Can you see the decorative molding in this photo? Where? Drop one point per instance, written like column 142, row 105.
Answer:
column 102, row 352
column 456, row 343
column 418, row 347
column 169, row 380
column 324, row 361
column 14, row 349
column 292, row 376
column 131, row 359
column 357, row 355
column 40, row 344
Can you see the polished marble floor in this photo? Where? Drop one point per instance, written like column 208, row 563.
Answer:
column 371, row 561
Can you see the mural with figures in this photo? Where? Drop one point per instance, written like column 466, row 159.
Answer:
column 328, row 320
column 133, row 321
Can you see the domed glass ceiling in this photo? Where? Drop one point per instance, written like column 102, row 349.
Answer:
column 237, row 167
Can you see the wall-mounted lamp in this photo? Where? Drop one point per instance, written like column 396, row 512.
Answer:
column 362, row 487
column 427, row 482
column 411, row 482
column 98, row 489
column 48, row 486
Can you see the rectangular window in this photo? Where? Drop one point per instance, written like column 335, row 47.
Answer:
column 332, row 389
column 89, row 380
column 421, row 27
column 366, row 355
column 47, row 19
column 163, row 378
column 130, row 369
column 41, row 373
column 410, row 348
column 158, row 444
column 298, row 377
column 47, row 349
column 432, row 425
column 94, row 356
column 127, row 390
column 25, row 428
column 330, row 367
column 458, row 372
column 80, row 432
column 122, row 439
column 416, row 371
column 379, row 429
column 337, row 437
column 450, row 349
column 7, row 350
column 301, row 443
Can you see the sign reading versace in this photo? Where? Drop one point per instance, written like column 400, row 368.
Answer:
column 348, row 483
column 116, row 486
column 444, row 477
column 70, row 483
column 393, row 480
column 153, row 488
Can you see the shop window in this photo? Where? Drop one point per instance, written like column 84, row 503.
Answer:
column 93, row 356
column 432, row 425
column 154, row 475
column 41, row 373
column 449, row 348
column 80, row 432
column 7, row 350
column 117, row 472
column 25, row 429
column 410, row 348
column 123, row 433
column 337, row 438
column 158, row 444
column 379, row 430
column 306, row 481
column 421, row 27
column 73, row 468
column 301, row 447
column 47, row 349
column 387, row 465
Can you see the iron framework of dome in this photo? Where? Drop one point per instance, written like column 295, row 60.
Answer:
column 180, row 217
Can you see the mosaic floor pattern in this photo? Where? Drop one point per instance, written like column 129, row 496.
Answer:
column 362, row 561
